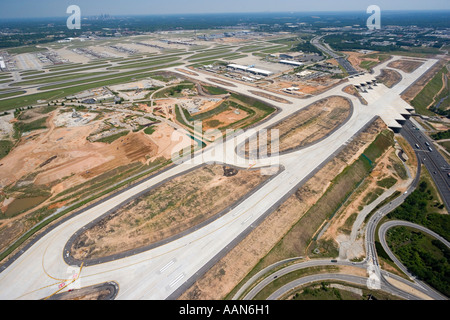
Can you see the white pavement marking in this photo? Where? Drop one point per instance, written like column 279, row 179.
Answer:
column 34, row 273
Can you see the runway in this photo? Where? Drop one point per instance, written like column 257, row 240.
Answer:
column 158, row 273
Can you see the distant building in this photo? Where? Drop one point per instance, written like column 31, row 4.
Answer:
column 250, row 69
column 291, row 55
column 89, row 101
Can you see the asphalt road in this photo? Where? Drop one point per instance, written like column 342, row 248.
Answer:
column 382, row 236
column 371, row 257
column 341, row 60
column 433, row 160
column 158, row 273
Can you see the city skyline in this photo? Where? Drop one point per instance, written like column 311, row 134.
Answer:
column 53, row 8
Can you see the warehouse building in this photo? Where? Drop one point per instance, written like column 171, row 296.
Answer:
column 250, row 69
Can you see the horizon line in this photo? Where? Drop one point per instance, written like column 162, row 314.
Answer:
column 225, row 13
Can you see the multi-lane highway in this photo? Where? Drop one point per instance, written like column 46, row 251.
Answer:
column 431, row 158
column 339, row 58
column 418, row 289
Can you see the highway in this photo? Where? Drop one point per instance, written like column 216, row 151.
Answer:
column 160, row 272
column 371, row 260
column 339, row 58
column 433, row 160
column 369, row 263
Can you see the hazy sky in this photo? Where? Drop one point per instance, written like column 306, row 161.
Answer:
column 57, row 8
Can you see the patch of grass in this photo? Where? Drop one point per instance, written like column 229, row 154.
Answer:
column 372, row 196
column 11, row 94
column 446, row 145
column 422, row 207
column 426, row 96
column 21, row 127
column 424, row 256
column 5, row 148
column 56, row 92
column 380, row 145
column 26, row 49
column 387, row 182
column 441, row 135
column 110, row 139
column 348, row 224
column 215, row 90
column 174, row 91
column 149, row 130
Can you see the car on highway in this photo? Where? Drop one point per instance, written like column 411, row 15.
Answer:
column 429, row 148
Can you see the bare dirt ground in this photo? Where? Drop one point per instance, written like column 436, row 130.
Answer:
column 187, row 72
column 223, row 277
column 225, row 118
column 350, row 89
column 169, row 209
column 355, row 58
column 162, row 137
column 389, row 77
column 407, row 66
column 59, row 158
column 312, row 87
column 338, row 230
column 75, row 155
column 312, row 123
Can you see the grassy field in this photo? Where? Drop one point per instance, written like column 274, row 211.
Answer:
column 10, row 94
column 21, row 127
column 424, row 256
column 56, row 78
column 214, row 90
column 446, row 145
column 145, row 64
column 424, row 207
column 256, row 111
column 112, row 138
column 173, row 92
column 5, row 148
column 56, row 92
column 26, row 49
column 207, row 54
column 427, row 96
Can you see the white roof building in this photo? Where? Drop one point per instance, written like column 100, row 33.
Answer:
column 292, row 63
column 249, row 69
